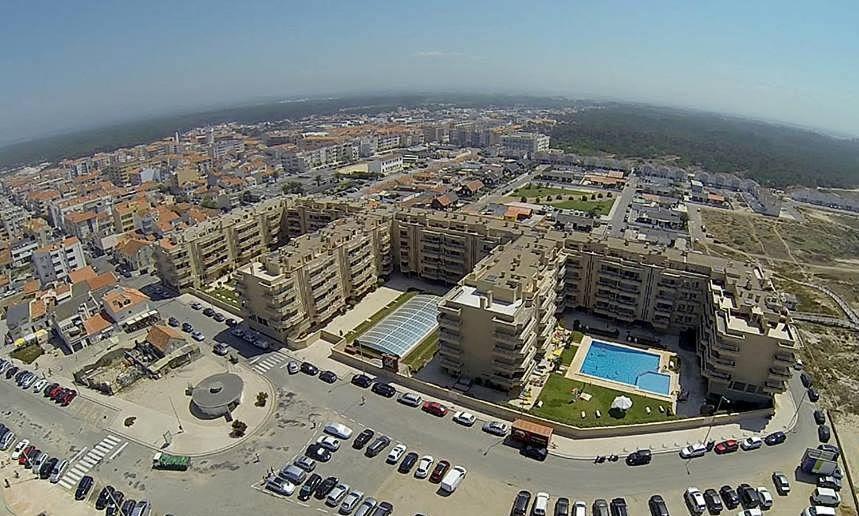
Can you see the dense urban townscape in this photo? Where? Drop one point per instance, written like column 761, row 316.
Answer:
column 425, row 310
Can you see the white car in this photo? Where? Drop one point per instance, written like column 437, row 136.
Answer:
column 280, row 486
column 496, row 428
column 351, row 501
column 19, row 448
column 40, row 385
column 751, row 443
column 452, row 479
column 338, row 430
column 464, row 418
column 695, row 500
column 541, row 504
column 693, row 450
column 58, row 471
column 580, row 508
column 337, row 494
column 410, row 399
column 328, row 442
column 766, row 498
column 424, row 466
column 395, row 454
column 751, row 512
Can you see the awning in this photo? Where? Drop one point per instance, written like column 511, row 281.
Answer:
column 139, row 317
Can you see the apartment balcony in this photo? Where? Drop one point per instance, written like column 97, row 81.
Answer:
column 448, row 353
column 446, row 322
column 779, row 373
column 450, row 312
column 784, row 359
column 774, row 386
column 719, row 375
column 723, row 347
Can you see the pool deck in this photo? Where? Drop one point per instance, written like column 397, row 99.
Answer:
column 574, row 372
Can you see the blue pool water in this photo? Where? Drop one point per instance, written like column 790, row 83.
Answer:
column 628, row 366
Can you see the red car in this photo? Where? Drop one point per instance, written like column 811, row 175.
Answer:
column 58, row 396
column 68, row 397
column 439, row 471
column 731, row 445
column 53, row 393
column 435, row 408
column 22, row 459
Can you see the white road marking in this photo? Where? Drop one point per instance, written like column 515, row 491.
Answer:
column 90, row 460
column 118, row 451
column 78, row 454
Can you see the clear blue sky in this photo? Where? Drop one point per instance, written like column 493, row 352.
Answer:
column 68, row 65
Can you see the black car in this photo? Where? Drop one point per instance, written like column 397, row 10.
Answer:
column 639, row 457
column 49, row 388
column 115, row 502
column 363, row 438
column 174, row 322
column 383, row 509
column 562, row 507
column 308, row 368
column 823, row 433
column 408, row 462
column 187, row 327
column 830, row 447
column 534, row 452
column 318, row 453
column 104, row 498
column 730, row 497
column 806, row 379
column 775, row 438
column 377, row 446
column 819, row 417
column 128, row 507
column 813, row 395
column 362, row 380
column 618, row 507
column 749, row 496
column 208, row 312
column 83, row 488
column 324, row 488
column 657, row 506
column 328, row 376
column 11, row 372
column 47, row 468
column 309, row 487
column 520, row 504
column 231, row 322
column 712, row 501
column 384, row 389
column 219, row 317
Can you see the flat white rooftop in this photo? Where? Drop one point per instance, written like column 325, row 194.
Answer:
column 470, row 296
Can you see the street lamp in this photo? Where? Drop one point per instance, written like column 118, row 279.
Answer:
column 722, row 399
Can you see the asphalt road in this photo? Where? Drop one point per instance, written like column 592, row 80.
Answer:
column 618, row 218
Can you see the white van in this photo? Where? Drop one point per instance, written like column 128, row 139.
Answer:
column 818, row 510
column 453, row 478
column 826, row 496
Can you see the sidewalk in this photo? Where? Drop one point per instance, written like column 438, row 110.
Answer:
column 28, row 495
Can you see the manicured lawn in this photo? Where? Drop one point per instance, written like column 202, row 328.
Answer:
column 226, row 295
column 600, row 206
column 28, row 353
column 568, row 354
column 422, row 353
column 557, row 395
column 378, row 316
column 577, row 337
column 539, row 191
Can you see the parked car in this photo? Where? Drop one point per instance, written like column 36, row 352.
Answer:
column 47, row 467
column 618, row 507
column 541, row 504
column 751, row 443
column 729, row 446
column 781, row 483
column 657, row 506
column 639, row 457
column 826, row 497
column 754, row 511
column 328, row 376
column 280, row 486
column 383, row 509
column 68, row 397
column 535, row 452
column 172, row 321
column 329, row 443
column 26, row 455
column 220, row 349
column 83, row 488
column 521, row 503
column 187, row 327
column 230, row 322
column 408, row 462
column 831, row 448
column 823, row 433
column 806, row 379
column 439, row 471
column 765, row 497
column 219, row 317
column 435, row 408
column 452, row 479
column 306, row 463
column 7, row 437
column 363, row 438
column 384, row 389
column 309, row 486
column 819, row 417
column 362, row 380
column 366, row 507
column 410, row 399
column 198, row 336
column 712, row 501
column 775, row 438
column 693, row 450
column 350, row 501
column 324, row 488
column 58, row 470
column 424, row 465
column 395, row 453
column 694, row 500
column 318, row 453
column 829, row 482
column 813, row 395
column 49, row 389
column 104, row 498
column 39, row 386
column 464, row 418
column 496, row 428
column 729, row 497
column 748, row 496
column 308, row 368
column 196, row 306
column 128, row 507
column 11, row 372
column 338, row 430
column 292, row 367
column 19, row 449
column 377, row 446
column 337, row 494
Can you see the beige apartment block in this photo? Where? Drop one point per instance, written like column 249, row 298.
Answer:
column 296, row 289
column 496, row 323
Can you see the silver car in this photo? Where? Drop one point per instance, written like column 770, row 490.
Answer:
column 366, row 507
column 58, row 471
column 410, row 399
column 496, row 428
column 6, row 439
column 29, row 381
column 351, row 501
column 337, row 494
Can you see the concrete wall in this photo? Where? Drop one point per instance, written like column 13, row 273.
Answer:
column 217, row 302
column 510, row 414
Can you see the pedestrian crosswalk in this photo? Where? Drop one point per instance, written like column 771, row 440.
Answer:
column 80, row 468
column 263, row 363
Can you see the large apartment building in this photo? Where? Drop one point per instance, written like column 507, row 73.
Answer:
column 525, row 142
column 54, row 262
column 205, row 252
column 293, row 291
column 310, row 157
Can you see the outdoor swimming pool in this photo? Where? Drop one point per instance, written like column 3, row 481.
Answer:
column 632, row 367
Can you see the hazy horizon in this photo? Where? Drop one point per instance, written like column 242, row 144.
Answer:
column 85, row 65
